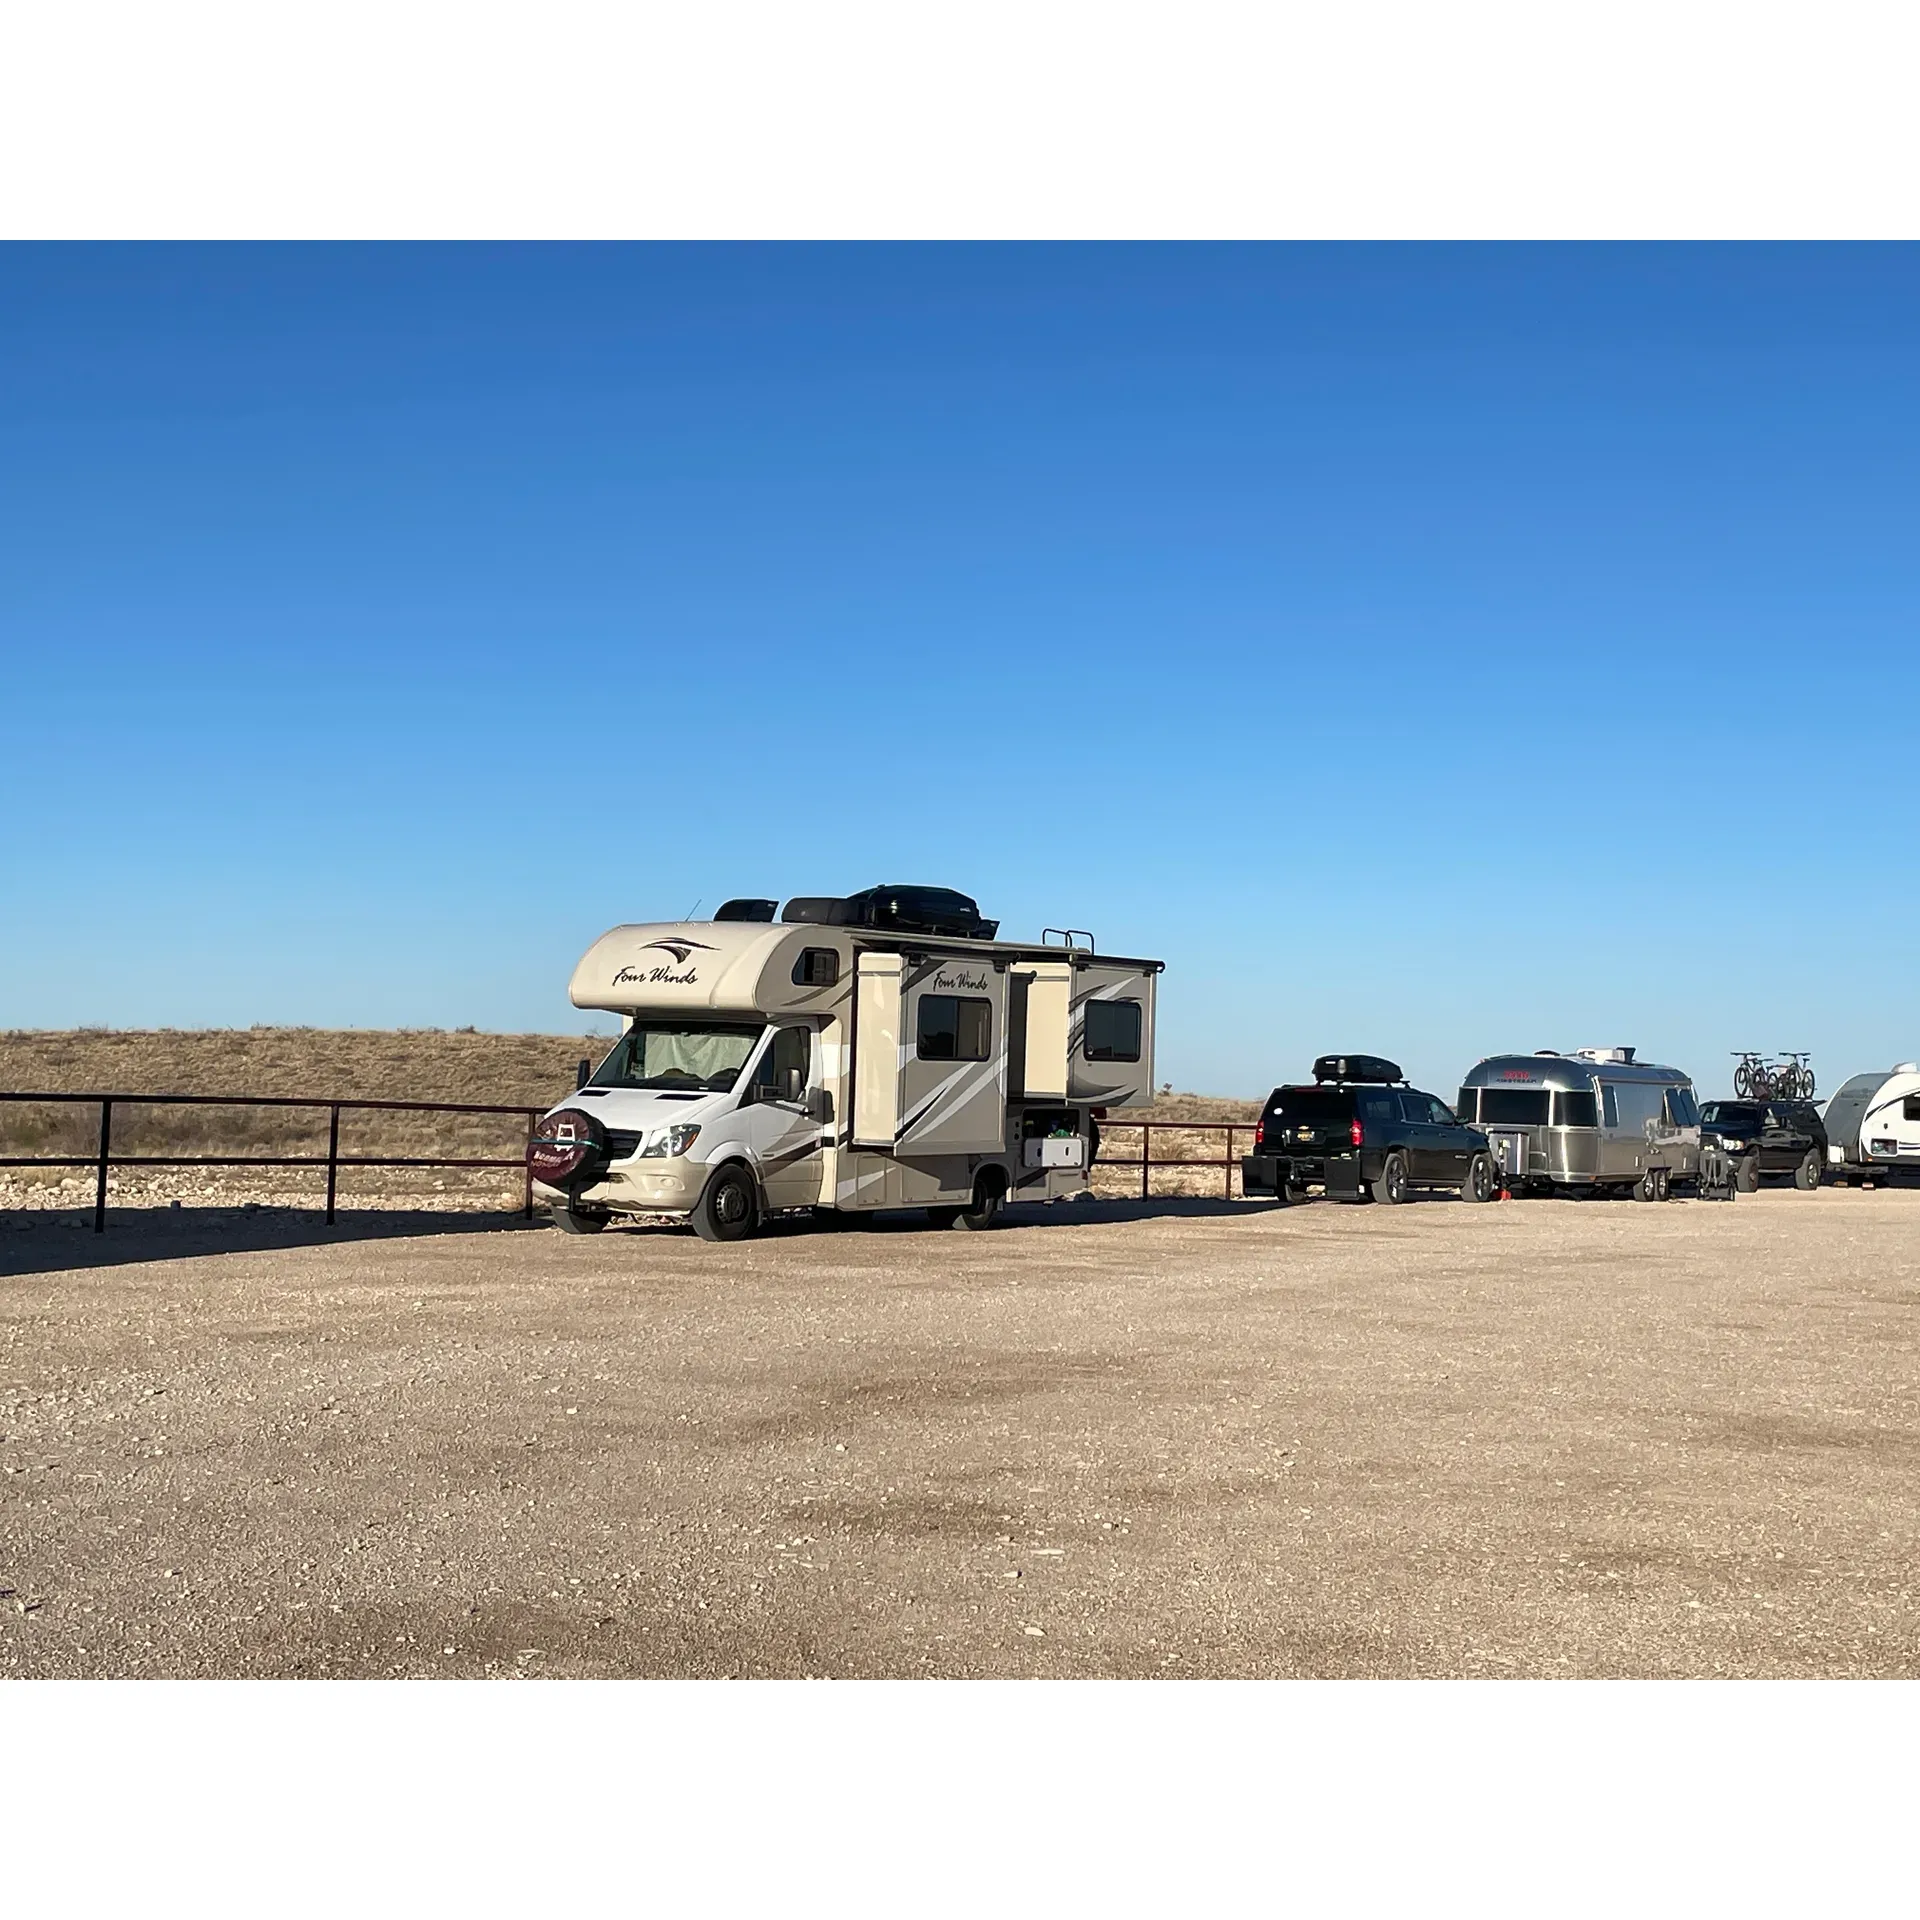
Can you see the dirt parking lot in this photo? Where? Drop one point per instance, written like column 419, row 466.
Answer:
column 1537, row 1438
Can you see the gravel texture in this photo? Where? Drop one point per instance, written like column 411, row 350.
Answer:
column 1197, row 1438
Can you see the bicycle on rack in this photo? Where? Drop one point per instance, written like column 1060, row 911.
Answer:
column 1791, row 1078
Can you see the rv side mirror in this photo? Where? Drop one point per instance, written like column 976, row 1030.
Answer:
column 582, row 1074
column 820, row 1106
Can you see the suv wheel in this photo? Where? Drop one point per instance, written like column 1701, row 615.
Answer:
column 1747, row 1179
column 1806, row 1176
column 1391, row 1187
column 1479, row 1182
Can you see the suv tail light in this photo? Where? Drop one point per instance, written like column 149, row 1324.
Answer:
column 1260, row 1133
column 1353, row 1133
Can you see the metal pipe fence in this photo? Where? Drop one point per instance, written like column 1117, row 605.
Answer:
column 103, row 1158
column 1228, row 1161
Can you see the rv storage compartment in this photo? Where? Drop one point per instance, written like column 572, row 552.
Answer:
column 1052, row 1139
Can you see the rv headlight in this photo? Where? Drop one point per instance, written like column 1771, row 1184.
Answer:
column 668, row 1142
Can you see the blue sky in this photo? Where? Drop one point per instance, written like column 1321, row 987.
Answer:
column 1425, row 650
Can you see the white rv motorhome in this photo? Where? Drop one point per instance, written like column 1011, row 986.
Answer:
column 875, row 1052
column 1874, row 1122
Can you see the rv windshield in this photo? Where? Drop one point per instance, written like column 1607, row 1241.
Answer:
column 689, row 1059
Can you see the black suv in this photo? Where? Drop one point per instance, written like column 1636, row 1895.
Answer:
column 1768, row 1136
column 1361, row 1132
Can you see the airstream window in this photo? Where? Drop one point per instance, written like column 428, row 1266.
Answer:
column 1113, row 1030
column 1513, row 1106
column 1609, row 1104
column 1575, row 1110
column 1681, row 1111
column 954, row 1029
column 1468, row 1104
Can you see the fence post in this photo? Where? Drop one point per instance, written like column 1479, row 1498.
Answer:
column 100, row 1182
column 526, row 1209
column 333, row 1157
column 1228, row 1164
column 1146, row 1156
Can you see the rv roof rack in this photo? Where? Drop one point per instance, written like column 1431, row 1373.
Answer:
column 1074, row 938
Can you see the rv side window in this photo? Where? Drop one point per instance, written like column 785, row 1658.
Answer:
column 1681, row 1111
column 1910, row 1107
column 1609, row 1106
column 1575, row 1110
column 954, row 1029
column 1113, row 1030
column 1513, row 1106
column 816, row 967
column 1468, row 1104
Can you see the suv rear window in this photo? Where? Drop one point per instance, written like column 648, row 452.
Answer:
column 1309, row 1104
column 1513, row 1106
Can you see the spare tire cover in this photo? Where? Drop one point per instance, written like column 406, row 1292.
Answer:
column 568, row 1150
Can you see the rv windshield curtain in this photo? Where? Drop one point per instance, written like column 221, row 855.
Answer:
column 705, row 1058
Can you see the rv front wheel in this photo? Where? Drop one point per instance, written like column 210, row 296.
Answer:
column 729, row 1209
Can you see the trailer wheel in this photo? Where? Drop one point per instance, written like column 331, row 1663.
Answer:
column 729, row 1209
column 1647, row 1187
column 1662, row 1183
column 1391, row 1188
column 1479, row 1182
column 1806, row 1176
column 571, row 1219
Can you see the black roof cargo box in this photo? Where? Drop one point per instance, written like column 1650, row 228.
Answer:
column 1364, row 1067
column 935, row 910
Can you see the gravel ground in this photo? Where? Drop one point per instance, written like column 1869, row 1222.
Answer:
column 1538, row 1438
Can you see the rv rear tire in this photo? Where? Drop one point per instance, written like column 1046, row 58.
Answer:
column 984, row 1211
column 729, row 1209
column 1806, row 1176
column 1391, row 1188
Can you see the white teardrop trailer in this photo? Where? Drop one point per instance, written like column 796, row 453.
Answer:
column 880, row 1051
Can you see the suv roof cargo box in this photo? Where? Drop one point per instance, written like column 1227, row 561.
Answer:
column 1355, row 1066
column 936, row 910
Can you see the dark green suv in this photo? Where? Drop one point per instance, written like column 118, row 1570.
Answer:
column 1768, row 1137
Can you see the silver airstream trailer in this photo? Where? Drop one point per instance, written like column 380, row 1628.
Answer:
column 1593, row 1118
